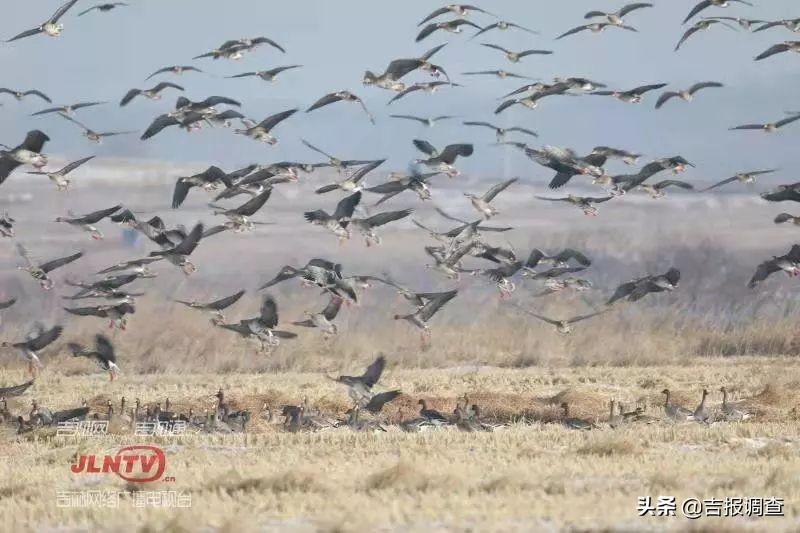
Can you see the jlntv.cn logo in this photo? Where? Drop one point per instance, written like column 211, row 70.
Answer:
column 136, row 463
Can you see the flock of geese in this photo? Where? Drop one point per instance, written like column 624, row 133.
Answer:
column 555, row 272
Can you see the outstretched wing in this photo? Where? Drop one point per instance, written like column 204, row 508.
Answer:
column 384, row 218
column 325, row 100
column 346, row 207
column 45, row 338
column 497, row 189
column 373, row 372
column 332, row 309
column 56, row 263
column 269, row 312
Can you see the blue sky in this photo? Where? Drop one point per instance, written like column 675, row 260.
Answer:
column 102, row 55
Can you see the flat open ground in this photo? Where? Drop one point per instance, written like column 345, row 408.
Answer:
column 532, row 475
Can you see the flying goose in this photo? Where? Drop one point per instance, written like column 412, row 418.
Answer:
column 179, row 254
column 554, row 285
column 452, row 26
column 532, row 100
column 686, row 95
column 336, row 223
column 399, row 68
column 447, row 260
column 656, row 190
column 27, row 153
column 270, row 75
column 262, row 131
column 629, row 158
column 139, row 267
column 771, row 127
column 584, row 203
column 50, row 27
column 353, row 182
column 115, row 313
column 503, row 25
column 59, row 177
column 703, row 413
column 427, row 121
column 742, row 177
column 174, row 69
column 793, row 25
column 401, row 182
column 786, row 46
column 262, row 327
column 482, row 204
column 96, row 137
column 562, row 326
column 235, row 48
column 341, row 96
column 153, row 93
column 616, row 17
column 20, row 95
column 210, row 179
column 205, row 107
column 443, row 161
column 338, row 164
column 14, row 390
column 40, row 271
column 458, row 10
column 515, row 57
column 86, row 222
column 632, row 96
column 639, row 288
column 789, row 263
column 36, row 341
column 783, row 193
column 216, row 307
column 500, row 133
column 729, row 411
column 320, row 272
column 508, row 269
column 564, row 161
column 675, row 412
column 366, row 226
column 701, row 26
column 573, row 422
column 595, row 27
column 360, row 387
column 323, row 319
column 189, row 121
column 428, row 87
column 239, row 217
column 786, row 217
column 6, row 225
column 502, row 74
column 103, row 8
column 103, row 354
column 704, row 4
column 106, row 287
column 420, row 318
column 744, row 23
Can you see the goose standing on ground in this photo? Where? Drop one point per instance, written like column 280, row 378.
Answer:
column 616, row 17
column 353, row 182
column 341, row 96
column 770, row 127
column 103, row 8
column 86, row 222
column 20, row 95
column 702, row 413
column 516, row 57
column 115, row 313
column 500, row 133
column 262, row 327
column 786, row 46
column 27, row 153
column 705, row 4
column 595, row 27
column 675, row 412
column 637, row 289
column 422, row 315
column 431, row 415
column 686, row 95
column 270, row 75
column 632, row 96
column 729, row 411
column 789, row 263
column 742, row 177
column 216, row 307
column 323, row 319
column 482, row 204
column 452, row 26
column 701, row 26
column 366, row 226
column 50, row 27
column 67, row 109
column 262, row 131
column 103, row 354
column 96, row 137
column 40, row 271
column 443, row 161
column 787, row 217
column 573, row 422
column 338, row 221
column 584, row 203
column 179, row 254
column 152, row 94
column 503, row 25
column 37, row 340
column 59, row 177
column 562, row 326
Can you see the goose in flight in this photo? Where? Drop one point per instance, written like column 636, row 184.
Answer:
column 399, row 68
column 443, row 161
column 632, row 96
column 59, row 177
column 783, row 193
column 179, row 254
column 341, row 96
column 103, row 8
column 67, row 109
column 584, row 203
column 705, row 4
column 427, row 87
column 40, row 271
column 335, row 162
column 503, row 274
column 36, row 341
column 503, row 25
column 701, row 25
column 138, row 267
column 616, row 17
column 104, row 287
column 323, row 320
column 595, row 27
column 174, row 69
column 482, row 204
column 562, row 326
column 501, row 74
column 94, row 136
column 49, row 27
column 338, row 221
column 360, row 387
column 103, row 354
column 452, row 26
column 262, row 327
column 564, row 161
column 770, row 127
column 793, row 25
column 688, row 94
column 742, row 177
column 789, row 263
column 153, row 93
column 515, row 57
column 787, row 217
column 532, row 100
column 447, row 260
column 86, row 222
column 20, row 95
column 786, row 46
column 209, row 180
column 262, row 131
column 554, row 285
column 458, row 10
column 500, row 133
column 420, row 318
column 367, row 226
column 606, row 152
column 656, row 190
column 744, row 23
column 319, row 272
column 401, row 182
column 115, row 313
column 239, row 218
column 637, row 289
column 353, row 182
column 215, row 307
column 270, row 75
column 426, row 121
